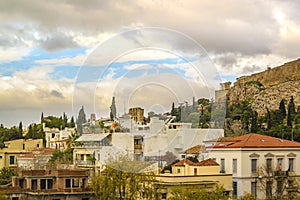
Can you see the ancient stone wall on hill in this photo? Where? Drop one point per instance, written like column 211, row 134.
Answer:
column 267, row 88
column 288, row 72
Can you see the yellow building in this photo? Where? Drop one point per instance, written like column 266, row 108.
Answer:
column 14, row 148
column 194, row 177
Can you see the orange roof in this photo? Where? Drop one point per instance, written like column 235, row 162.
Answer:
column 195, row 149
column 182, row 162
column 208, row 162
column 256, row 141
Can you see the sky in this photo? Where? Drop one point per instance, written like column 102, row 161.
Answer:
column 56, row 56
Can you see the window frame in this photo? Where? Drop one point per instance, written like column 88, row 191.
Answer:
column 234, row 165
column 253, row 165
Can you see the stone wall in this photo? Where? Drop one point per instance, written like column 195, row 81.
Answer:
column 288, row 72
column 266, row 89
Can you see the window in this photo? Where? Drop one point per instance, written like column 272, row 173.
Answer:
column 11, row 160
column 234, row 189
column 178, row 170
column 163, row 195
column 291, row 164
column 68, row 183
column 34, row 184
column 253, row 188
column 279, row 164
column 269, row 164
column 253, row 165
column 269, row 188
column 234, row 165
column 222, row 165
column 50, row 184
column 83, row 183
column 0, row 157
column 75, row 182
column 21, row 183
column 23, row 146
column 43, row 184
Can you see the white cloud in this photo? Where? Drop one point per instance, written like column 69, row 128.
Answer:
column 13, row 54
column 71, row 61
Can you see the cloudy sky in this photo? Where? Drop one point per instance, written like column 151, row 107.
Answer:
column 58, row 55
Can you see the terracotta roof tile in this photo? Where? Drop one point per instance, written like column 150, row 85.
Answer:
column 256, row 141
column 208, row 162
column 181, row 162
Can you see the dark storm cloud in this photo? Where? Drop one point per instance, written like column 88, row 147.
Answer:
column 58, row 41
column 226, row 60
column 57, row 94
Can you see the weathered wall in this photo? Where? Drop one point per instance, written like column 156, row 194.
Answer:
column 266, row 89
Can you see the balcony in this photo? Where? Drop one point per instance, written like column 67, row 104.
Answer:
column 84, row 162
column 138, row 146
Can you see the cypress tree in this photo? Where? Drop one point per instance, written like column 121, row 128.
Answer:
column 173, row 113
column 291, row 112
column 282, row 110
column 72, row 123
column 20, row 130
column 80, row 120
column 113, row 109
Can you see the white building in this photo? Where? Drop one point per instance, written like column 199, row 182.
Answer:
column 256, row 163
column 57, row 139
column 144, row 142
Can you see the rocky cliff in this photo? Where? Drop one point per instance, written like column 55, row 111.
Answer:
column 267, row 88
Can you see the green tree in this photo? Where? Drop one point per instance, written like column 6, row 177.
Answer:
column 80, row 120
column 269, row 120
column 65, row 120
column 71, row 142
column 4, row 197
column 20, row 130
column 72, row 123
column 6, row 174
column 42, row 118
column 291, row 112
column 121, row 180
column 254, row 124
column 180, row 193
column 173, row 112
column 61, row 157
column 282, row 109
column 29, row 132
column 113, row 109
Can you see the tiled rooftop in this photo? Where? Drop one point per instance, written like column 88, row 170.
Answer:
column 208, row 162
column 256, row 141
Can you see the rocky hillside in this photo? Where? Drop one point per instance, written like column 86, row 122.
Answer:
column 267, row 88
